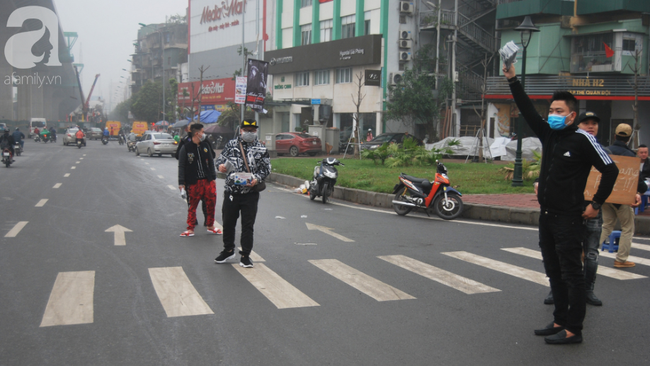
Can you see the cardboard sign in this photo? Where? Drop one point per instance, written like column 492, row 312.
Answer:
column 624, row 191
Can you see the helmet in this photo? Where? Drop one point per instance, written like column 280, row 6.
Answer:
column 17, row 129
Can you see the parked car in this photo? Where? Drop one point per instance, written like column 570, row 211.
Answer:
column 69, row 137
column 390, row 137
column 94, row 133
column 156, row 143
column 294, row 144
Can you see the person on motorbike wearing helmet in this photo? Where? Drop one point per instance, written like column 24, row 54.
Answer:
column 18, row 137
column 80, row 136
column 7, row 141
column 53, row 132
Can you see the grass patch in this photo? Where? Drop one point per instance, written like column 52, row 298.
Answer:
column 470, row 178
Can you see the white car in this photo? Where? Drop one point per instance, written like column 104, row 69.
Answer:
column 156, row 143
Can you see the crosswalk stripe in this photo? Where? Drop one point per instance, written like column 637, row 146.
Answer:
column 58, row 185
column 254, row 256
column 645, row 247
column 520, row 272
column 176, row 293
column 446, row 278
column 637, row 260
column 280, row 292
column 41, row 203
column 370, row 286
column 603, row 271
column 16, row 229
column 71, row 299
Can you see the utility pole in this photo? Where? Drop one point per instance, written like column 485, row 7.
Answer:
column 201, row 71
column 243, row 53
column 454, row 117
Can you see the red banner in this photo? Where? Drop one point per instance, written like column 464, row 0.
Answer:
column 218, row 91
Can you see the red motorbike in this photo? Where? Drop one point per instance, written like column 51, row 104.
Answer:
column 7, row 158
column 437, row 196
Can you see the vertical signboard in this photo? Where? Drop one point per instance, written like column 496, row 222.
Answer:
column 240, row 90
column 256, row 84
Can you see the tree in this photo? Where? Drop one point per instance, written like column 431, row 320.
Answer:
column 147, row 104
column 636, row 69
column 231, row 115
column 360, row 83
column 121, row 112
column 414, row 99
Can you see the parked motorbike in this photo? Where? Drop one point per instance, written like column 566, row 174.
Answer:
column 437, row 196
column 104, row 140
column 17, row 149
column 6, row 157
column 324, row 179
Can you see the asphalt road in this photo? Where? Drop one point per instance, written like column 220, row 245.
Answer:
column 373, row 289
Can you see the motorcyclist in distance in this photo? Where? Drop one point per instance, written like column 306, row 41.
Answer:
column 18, row 137
column 80, row 136
column 7, row 141
column 53, row 133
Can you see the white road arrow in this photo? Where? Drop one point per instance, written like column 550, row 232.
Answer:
column 328, row 231
column 119, row 231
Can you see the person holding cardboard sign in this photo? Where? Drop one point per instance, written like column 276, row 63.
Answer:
column 568, row 154
column 624, row 213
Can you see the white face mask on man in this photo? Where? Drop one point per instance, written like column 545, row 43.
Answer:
column 248, row 136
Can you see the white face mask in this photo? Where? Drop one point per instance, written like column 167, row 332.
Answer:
column 249, row 136
column 203, row 137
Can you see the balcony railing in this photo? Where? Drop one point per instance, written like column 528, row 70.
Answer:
column 474, row 32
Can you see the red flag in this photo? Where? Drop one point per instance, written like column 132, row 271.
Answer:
column 608, row 51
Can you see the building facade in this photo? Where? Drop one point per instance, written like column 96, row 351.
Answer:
column 597, row 49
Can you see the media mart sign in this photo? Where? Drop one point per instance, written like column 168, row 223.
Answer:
column 28, row 48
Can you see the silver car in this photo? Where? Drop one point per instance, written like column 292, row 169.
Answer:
column 70, row 136
column 156, row 143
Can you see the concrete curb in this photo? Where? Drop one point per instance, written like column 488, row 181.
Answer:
column 511, row 215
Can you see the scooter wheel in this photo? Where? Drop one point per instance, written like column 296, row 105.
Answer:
column 401, row 210
column 450, row 208
column 312, row 194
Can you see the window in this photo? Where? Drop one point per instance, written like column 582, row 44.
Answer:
column 629, row 45
column 366, row 23
column 347, row 27
column 321, row 77
column 305, row 30
column 326, row 30
column 302, row 78
column 344, row 76
column 305, row 3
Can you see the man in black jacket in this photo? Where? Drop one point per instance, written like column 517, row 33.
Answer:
column 642, row 153
column 567, row 156
column 196, row 172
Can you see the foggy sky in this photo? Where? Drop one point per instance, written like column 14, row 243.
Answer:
column 107, row 30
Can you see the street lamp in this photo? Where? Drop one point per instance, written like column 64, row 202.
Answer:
column 526, row 28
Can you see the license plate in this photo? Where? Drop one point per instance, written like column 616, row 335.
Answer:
column 313, row 142
column 5, row 154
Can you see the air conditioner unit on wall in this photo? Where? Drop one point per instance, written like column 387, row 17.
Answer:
column 406, row 7
column 404, row 56
column 396, row 77
column 404, row 34
column 405, row 43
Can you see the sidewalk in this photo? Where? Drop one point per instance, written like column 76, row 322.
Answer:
column 508, row 208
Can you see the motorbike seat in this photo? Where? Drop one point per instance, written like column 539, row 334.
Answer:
column 423, row 182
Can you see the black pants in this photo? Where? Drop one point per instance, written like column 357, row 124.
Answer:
column 560, row 238
column 232, row 205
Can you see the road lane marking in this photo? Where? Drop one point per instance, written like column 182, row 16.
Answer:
column 16, row 229
column 41, row 203
column 118, row 230
column 146, row 163
column 603, row 271
column 71, row 299
column 153, row 168
column 446, row 278
column 66, row 175
column 645, row 247
column 254, row 256
column 171, row 187
column 74, row 167
column 520, row 272
column 77, row 162
column 84, row 154
column 370, row 286
column 176, row 293
column 327, row 231
column 280, row 292
column 57, row 185
column 161, row 177
column 81, row 158
column 637, row 260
